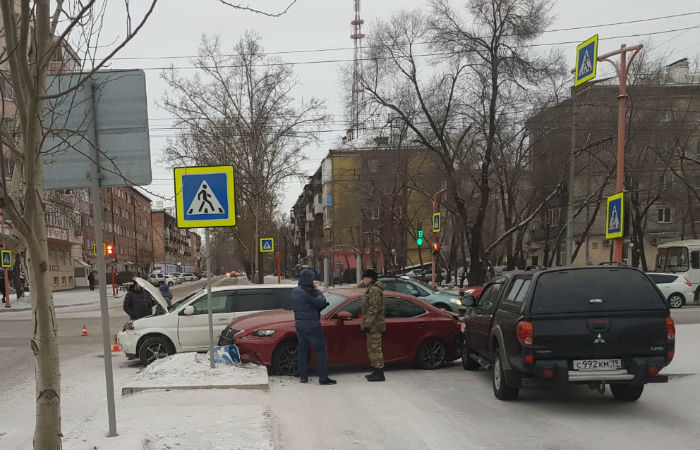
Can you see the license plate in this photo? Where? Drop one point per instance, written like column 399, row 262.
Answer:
column 597, row 364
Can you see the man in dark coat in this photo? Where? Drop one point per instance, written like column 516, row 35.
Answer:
column 307, row 302
column 137, row 303
column 91, row 280
column 373, row 323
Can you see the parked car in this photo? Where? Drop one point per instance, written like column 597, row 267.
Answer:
column 595, row 325
column 170, row 280
column 677, row 290
column 445, row 301
column 157, row 279
column 177, row 277
column 416, row 333
column 184, row 326
column 474, row 291
column 190, row 277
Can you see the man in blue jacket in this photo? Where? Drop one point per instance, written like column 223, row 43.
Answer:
column 307, row 302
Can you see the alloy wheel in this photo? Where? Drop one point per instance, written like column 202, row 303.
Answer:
column 433, row 354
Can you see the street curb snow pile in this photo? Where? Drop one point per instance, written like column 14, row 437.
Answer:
column 192, row 371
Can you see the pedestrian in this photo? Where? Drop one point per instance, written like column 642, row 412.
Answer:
column 137, row 303
column 166, row 293
column 307, row 303
column 373, row 323
column 2, row 289
column 91, row 280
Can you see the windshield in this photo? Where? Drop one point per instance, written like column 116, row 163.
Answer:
column 333, row 301
column 672, row 260
column 179, row 303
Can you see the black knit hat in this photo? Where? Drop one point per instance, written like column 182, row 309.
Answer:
column 370, row 273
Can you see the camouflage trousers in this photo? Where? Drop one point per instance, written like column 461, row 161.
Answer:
column 374, row 350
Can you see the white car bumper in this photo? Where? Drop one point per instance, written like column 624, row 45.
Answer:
column 128, row 340
column 689, row 297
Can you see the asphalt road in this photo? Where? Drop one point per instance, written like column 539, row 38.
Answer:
column 16, row 333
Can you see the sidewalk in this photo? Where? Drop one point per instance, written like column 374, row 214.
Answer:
column 61, row 299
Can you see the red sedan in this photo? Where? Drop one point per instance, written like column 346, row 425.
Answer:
column 416, row 332
column 474, row 291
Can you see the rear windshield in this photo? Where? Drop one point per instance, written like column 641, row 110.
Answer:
column 592, row 290
column 662, row 279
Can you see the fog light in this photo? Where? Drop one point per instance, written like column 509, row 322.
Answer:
column 653, row 370
column 670, row 355
column 548, row 373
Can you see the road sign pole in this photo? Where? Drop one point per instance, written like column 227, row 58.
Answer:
column 211, row 321
column 95, row 177
column 622, row 70
column 7, row 284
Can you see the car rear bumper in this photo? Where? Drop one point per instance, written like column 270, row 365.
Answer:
column 636, row 372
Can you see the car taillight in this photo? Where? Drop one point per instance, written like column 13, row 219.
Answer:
column 670, row 330
column 525, row 334
column 688, row 283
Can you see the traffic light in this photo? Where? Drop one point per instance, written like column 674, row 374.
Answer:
column 109, row 250
column 436, row 248
column 419, row 234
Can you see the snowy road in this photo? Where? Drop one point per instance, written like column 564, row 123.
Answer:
column 447, row 408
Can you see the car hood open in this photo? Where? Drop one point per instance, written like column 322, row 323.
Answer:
column 155, row 293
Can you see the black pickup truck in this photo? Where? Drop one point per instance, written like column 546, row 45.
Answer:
column 592, row 325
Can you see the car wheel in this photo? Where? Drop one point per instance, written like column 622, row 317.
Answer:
column 170, row 283
column 500, row 389
column 284, row 360
column 676, row 300
column 627, row 392
column 467, row 362
column 431, row 354
column 153, row 348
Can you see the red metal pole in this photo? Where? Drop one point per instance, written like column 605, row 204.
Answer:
column 7, row 282
column 622, row 70
column 435, row 197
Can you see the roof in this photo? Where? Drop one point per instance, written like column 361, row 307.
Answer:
column 235, row 287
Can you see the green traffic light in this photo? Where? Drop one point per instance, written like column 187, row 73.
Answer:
column 419, row 241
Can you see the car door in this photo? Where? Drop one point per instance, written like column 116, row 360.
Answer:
column 405, row 328
column 346, row 342
column 193, row 330
column 249, row 301
column 481, row 317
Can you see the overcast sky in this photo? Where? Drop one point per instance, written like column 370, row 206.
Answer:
column 174, row 32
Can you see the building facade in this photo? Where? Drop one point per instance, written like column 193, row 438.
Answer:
column 174, row 249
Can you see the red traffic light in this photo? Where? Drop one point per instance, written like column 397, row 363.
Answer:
column 109, row 249
column 436, row 246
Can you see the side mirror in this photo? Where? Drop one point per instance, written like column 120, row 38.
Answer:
column 468, row 300
column 343, row 316
column 188, row 311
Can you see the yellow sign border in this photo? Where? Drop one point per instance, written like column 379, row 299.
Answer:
column 585, row 43
column 179, row 207
column 267, row 239
column 2, row 261
column 621, row 233
column 438, row 229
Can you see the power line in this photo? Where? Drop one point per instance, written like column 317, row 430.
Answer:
column 332, row 49
column 329, row 61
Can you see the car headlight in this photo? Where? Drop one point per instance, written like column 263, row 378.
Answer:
column 263, row 333
column 456, row 301
column 469, row 291
column 129, row 325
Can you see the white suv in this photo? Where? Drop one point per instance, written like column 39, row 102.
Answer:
column 184, row 326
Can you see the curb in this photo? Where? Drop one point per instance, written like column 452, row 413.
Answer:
column 129, row 390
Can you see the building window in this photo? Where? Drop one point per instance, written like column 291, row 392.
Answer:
column 55, row 281
column 70, row 280
column 664, row 215
column 553, row 216
column 667, row 181
column 375, row 213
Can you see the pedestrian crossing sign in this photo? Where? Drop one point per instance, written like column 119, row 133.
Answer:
column 615, row 217
column 586, row 60
column 204, row 197
column 437, row 222
column 6, row 258
column 267, row 245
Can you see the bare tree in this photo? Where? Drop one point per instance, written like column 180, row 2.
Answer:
column 238, row 109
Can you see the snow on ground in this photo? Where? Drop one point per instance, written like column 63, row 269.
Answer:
column 192, row 369
column 60, row 298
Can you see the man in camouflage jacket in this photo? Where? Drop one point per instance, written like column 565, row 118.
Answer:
column 373, row 323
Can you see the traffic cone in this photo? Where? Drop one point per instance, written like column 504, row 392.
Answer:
column 116, row 348
column 84, row 333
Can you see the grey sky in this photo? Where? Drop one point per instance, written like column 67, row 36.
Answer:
column 176, row 28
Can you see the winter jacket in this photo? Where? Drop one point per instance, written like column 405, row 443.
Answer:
column 307, row 302
column 373, row 308
column 137, row 304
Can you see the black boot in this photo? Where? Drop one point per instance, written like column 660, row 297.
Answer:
column 377, row 375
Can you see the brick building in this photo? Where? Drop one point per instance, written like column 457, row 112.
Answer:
column 174, row 249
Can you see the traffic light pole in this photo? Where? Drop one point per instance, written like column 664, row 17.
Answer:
column 436, row 235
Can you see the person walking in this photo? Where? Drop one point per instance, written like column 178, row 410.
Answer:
column 91, row 280
column 373, row 322
column 137, row 303
column 307, row 303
